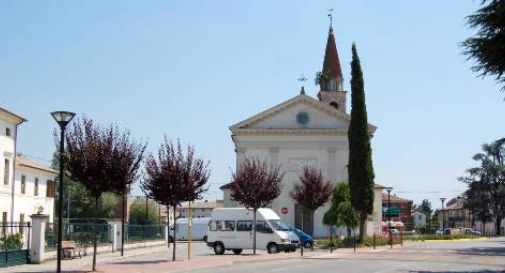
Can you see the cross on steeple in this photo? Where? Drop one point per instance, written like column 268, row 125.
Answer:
column 330, row 14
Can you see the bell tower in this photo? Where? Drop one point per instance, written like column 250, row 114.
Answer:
column 330, row 78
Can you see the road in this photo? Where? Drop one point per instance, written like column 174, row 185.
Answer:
column 485, row 256
column 473, row 256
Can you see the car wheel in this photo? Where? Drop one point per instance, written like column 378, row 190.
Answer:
column 272, row 248
column 219, row 248
column 237, row 251
column 307, row 245
column 205, row 238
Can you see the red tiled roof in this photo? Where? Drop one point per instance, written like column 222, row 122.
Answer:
column 331, row 61
column 394, row 198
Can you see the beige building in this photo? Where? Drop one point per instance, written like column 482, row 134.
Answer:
column 304, row 131
column 199, row 209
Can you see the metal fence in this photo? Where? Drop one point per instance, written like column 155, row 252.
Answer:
column 80, row 233
column 14, row 244
column 142, row 233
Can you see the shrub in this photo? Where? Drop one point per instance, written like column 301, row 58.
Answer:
column 11, row 242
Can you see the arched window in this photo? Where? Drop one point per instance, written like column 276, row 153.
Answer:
column 334, row 104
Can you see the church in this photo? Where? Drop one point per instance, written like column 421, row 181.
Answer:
column 304, row 131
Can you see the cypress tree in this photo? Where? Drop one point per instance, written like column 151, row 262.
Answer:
column 361, row 174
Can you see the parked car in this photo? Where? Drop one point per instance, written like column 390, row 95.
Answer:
column 231, row 229
column 305, row 238
column 439, row 232
column 394, row 232
column 472, row 231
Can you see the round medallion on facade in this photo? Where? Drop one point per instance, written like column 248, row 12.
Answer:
column 302, row 118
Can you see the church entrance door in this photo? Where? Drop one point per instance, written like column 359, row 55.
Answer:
column 304, row 219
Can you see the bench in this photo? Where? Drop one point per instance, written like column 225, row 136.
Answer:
column 70, row 250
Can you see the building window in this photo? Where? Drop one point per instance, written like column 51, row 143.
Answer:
column 23, row 184
column 6, row 171
column 50, row 189
column 36, row 187
column 8, row 131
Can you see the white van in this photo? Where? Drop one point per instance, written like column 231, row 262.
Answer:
column 199, row 229
column 231, row 229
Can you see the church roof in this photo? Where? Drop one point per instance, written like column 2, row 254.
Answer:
column 331, row 62
column 245, row 124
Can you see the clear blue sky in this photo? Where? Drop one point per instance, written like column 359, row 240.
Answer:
column 189, row 69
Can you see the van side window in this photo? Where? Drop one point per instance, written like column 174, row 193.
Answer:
column 213, row 225
column 226, row 225
column 244, row 225
column 262, row 226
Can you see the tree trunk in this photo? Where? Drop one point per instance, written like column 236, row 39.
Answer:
column 362, row 223
column 498, row 226
column 174, row 238
column 428, row 221
column 123, row 215
column 95, row 218
column 349, row 234
column 168, row 227
column 254, row 231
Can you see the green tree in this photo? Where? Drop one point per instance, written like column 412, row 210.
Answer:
column 487, row 46
column 138, row 216
column 425, row 208
column 361, row 173
column 487, row 183
column 341, row 212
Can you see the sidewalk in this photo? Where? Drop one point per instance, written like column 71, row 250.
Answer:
column 84, row 264
column 153, row 260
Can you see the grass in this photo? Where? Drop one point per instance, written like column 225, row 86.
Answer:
column 383, row 240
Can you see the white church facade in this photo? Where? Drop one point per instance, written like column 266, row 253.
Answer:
column 304, row 131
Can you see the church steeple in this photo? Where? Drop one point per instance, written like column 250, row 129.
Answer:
column 330, row 79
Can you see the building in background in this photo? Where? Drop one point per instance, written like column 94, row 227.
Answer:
column 27, row 186
column 400, row 212
column 200, row 208
column 34, row 189
column 419, row 219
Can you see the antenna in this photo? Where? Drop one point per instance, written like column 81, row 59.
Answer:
column 330, row 14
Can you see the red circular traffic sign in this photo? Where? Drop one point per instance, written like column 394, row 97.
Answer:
column 284, row 210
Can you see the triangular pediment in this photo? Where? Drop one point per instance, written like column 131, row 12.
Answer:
column 300, row 113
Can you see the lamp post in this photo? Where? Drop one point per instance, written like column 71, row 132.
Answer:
column 389, row 189
column 442, row 199
column 62, row 118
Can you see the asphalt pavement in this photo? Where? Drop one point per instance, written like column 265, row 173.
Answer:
column 426, row 257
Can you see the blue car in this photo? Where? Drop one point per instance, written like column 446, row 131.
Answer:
column 305, row 238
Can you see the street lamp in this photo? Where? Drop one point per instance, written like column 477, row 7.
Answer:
column 389, row 189
column 62, row 118
column 442, row 199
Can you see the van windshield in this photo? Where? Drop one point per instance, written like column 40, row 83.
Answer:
column 279, row 225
